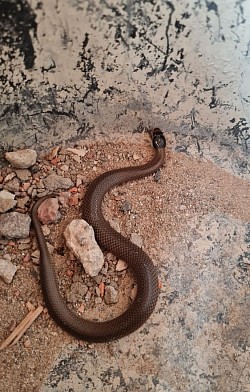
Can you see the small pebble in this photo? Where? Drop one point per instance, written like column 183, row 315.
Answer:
column 23, row 246
column 7, row 257
column 13, row 185
column 9, row 177
column 64, row 167
column 22, row 159
column 27, row 343
column 7, row 270
column 126, row 206
column 98, row 291
column 136, row 157
column 111, row 295
column 23, row 174
column 13, row 325
column 98, row 279
column 121, row 265
column 7, row 201
column 98, row 300
column 157, row 176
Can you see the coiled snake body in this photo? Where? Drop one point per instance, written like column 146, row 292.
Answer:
column 142, row 266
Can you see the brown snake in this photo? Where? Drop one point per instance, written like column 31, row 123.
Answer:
column 140, row 263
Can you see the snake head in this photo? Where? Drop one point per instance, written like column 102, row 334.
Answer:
column 158, row 138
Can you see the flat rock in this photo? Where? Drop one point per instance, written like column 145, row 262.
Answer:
column 21, row 159
column 53, row 182
column 21, row 203
column 13, row 185
column 7, row 201
column 9, row 177
column 80, row 152
column 80, row 239
column 7, row 270
column 23, row 174
column 14, row 225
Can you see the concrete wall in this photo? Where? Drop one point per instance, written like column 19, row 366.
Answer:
column 74, row 67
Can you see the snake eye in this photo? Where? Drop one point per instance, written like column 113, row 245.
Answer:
column 158, row 138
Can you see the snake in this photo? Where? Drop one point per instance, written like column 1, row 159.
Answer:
column 110, row 240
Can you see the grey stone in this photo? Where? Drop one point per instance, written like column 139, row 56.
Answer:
column 77, row 292
column 21, row 203
column 21, row 159
column 9, row 177
column 80, row 239
column 126, row 206
column 23, row 174
column 7, row 270
column 13, row 185
column 53, row 182
column 14, row 225
column 6, row 201
column 111, row 295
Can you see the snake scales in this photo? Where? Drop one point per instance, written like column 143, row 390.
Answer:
column 114, row 242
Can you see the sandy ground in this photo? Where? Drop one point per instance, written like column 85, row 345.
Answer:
column 180, row 210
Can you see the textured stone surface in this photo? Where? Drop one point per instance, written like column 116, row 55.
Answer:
column 7, row 270
column 80, row 239
column 111, row 295
column 23, row 174
column 12, row 185
column 14, row 225
column 48, row 211
column 7, row 201
column 77, row 292
column 54, row 182
column 21, row 159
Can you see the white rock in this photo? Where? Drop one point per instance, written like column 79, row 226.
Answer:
column 7, row 201
column 80, row 239
column 121, row 265
column 80, row 152
column 21, row 159
column 7, row 270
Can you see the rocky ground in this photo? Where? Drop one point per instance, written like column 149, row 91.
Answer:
column 152, row 212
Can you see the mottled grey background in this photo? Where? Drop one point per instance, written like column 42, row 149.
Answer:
column 71, row 68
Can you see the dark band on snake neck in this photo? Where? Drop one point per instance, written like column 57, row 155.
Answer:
column 108, row 239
